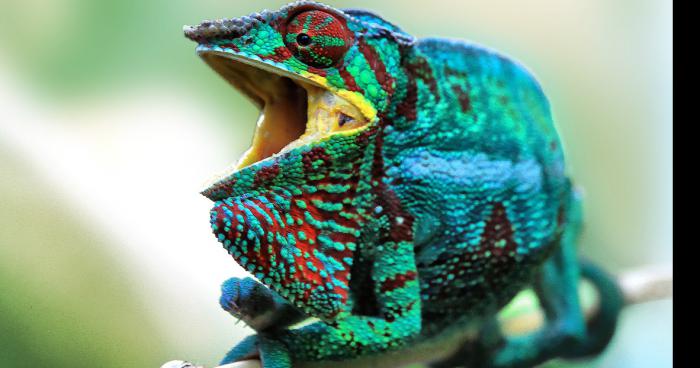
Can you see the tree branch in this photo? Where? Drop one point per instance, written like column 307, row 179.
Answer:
column 523, row 314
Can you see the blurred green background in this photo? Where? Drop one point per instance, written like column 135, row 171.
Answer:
column 110, row 125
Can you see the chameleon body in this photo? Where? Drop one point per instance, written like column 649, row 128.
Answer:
column 424, row 189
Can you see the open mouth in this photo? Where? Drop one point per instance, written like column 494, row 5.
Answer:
column 293, row 111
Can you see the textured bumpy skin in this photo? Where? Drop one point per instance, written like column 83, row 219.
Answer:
column 406, row 235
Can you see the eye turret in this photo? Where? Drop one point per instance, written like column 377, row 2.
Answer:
column 317, row 38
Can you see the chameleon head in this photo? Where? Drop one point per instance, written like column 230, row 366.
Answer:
column 308, row 67
column 291, row 209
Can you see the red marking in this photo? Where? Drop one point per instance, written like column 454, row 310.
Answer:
column 494, row 260
column 313, row 278
column 363, row 138
column 461, row 91
column 400, row 230
column 462, row 97
column 377, row 66
column 318, row 71
column 341, row 237
column 316, row 153
column 397, row 181
column 449, row 72
column 397, row 281
column 407, row 107
column 498, row 229
column 350, row 83
column 410, row 306
column 281, row 54
column 266, row 174
column 230, row 45
column 561, row 217
column 421, row 69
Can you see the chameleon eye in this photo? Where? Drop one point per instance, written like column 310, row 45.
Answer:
column 304, row 40
column 317, row 38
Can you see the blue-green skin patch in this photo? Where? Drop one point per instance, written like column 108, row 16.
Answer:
column 407, row 234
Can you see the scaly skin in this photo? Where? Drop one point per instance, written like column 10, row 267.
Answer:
column 413, row 229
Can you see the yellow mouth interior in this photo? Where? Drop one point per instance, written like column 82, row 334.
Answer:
column 293, row 112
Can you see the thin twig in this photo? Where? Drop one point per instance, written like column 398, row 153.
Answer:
column 648, row 284
column 181, row 364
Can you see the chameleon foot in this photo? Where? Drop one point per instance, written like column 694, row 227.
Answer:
column 256, row 305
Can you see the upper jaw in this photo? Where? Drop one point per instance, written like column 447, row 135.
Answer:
column 233, row 27
column 216, row 57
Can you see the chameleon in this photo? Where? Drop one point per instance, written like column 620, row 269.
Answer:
column 398, row 193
